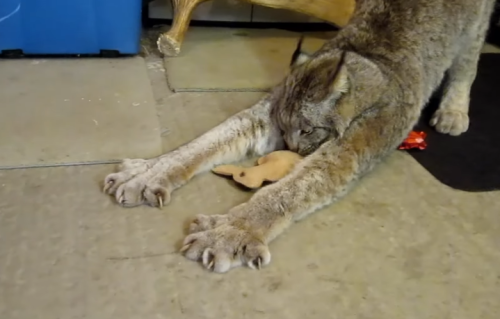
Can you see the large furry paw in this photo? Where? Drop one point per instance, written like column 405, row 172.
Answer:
column 139, row 182
column 450, row 122
column 221, row 245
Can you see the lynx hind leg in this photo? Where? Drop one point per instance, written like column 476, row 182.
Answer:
column 452, row 115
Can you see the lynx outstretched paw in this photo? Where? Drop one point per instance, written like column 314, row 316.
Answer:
column 138, row 182
column 450, row 122
column 224, row 246
column 127, row 169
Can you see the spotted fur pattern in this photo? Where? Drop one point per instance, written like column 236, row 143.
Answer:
column 345, row 106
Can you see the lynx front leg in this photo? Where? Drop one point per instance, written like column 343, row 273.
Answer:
column 151, row 181
column 452, row 116
column 240, row 238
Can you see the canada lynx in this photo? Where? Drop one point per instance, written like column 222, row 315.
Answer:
column 346, row 107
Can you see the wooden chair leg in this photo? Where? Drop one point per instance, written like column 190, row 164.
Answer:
column 169, row 43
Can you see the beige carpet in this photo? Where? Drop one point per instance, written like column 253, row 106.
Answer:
column 217, row 59
column 63, row 111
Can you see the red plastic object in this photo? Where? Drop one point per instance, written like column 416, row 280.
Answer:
column 414, row 140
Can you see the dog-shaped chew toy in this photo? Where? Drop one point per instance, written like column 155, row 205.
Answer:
column 270, row 168
column 278, row 164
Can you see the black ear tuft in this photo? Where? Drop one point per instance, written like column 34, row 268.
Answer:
column 298, row 50
column 298, row 56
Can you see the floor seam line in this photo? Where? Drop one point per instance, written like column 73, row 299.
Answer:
column 13, row 167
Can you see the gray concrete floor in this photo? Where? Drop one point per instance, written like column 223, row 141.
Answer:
column 54, row 111
column 400, row 245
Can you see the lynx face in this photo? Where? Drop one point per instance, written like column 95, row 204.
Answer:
column 305, row 103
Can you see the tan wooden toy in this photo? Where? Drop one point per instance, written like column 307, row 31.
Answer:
column 337, row 12
column 270, row 168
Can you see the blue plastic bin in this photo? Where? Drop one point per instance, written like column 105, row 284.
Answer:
column 55, row 27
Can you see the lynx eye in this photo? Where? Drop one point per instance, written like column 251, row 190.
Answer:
column 305, row 132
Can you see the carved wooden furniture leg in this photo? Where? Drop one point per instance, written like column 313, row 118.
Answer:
column 337, row 12
column 169, row 43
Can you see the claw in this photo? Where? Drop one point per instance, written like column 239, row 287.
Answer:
column 120, row 199
column 185, row 247
column 259, row 263
column 210, row 265
column 108, row 185
column 160, row 201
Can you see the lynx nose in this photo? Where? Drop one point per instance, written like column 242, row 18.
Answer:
column 291, row 142
column 291, row 145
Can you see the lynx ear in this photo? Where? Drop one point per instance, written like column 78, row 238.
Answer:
column 298, row 56
column 341, row 82
column 339, row 79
